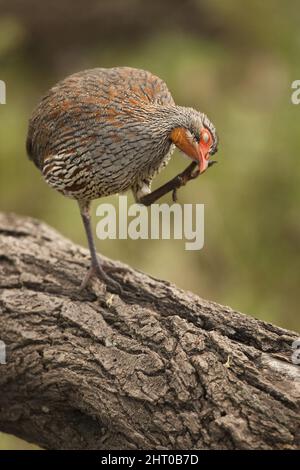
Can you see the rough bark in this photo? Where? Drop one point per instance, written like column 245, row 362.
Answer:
column 158, row 368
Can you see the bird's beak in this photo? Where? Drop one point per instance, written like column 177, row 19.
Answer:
column 203, row 157
column 194, row 150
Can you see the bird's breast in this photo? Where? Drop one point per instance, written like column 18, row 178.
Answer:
column 119, row 166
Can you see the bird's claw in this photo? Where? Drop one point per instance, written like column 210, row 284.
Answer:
column 186, row 176
column 97, row 271
column 174, row 195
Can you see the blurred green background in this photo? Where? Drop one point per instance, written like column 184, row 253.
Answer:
column 233, row 60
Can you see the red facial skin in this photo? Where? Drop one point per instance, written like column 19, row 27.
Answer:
column 203, row 148
column 196, row 150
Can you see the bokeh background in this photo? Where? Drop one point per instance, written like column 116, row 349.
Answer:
column 233, row 60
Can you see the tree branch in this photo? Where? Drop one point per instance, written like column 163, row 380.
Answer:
column 158, row 368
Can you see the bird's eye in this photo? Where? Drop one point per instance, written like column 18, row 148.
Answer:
column 205, row 136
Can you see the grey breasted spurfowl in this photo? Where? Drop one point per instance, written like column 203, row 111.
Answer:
column 103, row 131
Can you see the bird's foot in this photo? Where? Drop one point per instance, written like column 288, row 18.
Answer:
column 183, row 178
column 190, row 173
column 97, row 271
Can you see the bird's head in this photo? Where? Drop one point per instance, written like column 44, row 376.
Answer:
column 196, row 137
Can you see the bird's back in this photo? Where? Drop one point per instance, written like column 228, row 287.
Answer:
column 91, row 127
column 85, row 100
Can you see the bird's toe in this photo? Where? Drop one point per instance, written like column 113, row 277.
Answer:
column 97, row 271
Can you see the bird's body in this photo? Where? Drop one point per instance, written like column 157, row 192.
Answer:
column 103, row 131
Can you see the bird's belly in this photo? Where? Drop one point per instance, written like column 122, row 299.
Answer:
column 115, row 175
column 91, row 176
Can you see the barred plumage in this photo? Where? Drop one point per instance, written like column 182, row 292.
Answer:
column 103, row 131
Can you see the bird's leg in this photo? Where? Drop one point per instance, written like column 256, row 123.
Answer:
column 173, row 185
column 95, row 268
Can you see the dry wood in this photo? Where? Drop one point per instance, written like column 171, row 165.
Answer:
column 158, row 368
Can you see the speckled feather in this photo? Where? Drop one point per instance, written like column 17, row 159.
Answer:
column 103, row 131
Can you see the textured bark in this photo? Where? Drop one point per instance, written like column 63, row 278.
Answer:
column 158, row 368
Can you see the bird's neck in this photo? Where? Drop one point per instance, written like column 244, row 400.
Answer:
column 163, row 119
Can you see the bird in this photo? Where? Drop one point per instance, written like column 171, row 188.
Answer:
column 104, row 131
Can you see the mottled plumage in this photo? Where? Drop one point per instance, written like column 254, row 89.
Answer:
column 103, row 131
